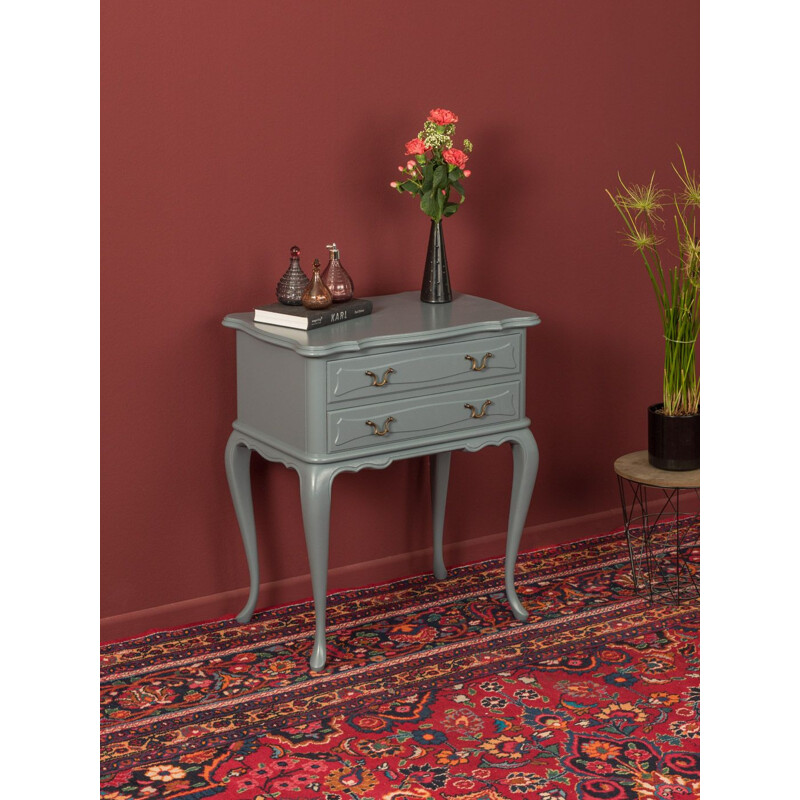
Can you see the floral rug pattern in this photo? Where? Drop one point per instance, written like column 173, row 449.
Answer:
column 432, row 690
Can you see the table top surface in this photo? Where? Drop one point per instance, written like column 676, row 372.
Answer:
column 636, row 467
column 396, row 319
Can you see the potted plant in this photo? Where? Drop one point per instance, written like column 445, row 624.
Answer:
column 436, row 169
column 674, row 424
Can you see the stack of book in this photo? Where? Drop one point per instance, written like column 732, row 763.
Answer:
column 307, row 319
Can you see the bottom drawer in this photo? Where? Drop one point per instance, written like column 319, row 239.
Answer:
column 468, row 410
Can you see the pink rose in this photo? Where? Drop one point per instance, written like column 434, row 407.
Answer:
column 416, row 147
column 454, row 156
column 441, row 116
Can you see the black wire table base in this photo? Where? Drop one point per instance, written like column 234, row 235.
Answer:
column 663, row 543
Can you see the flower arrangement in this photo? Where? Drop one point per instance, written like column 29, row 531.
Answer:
column 677, row 287
column 437, row 167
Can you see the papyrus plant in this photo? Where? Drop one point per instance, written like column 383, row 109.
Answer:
column 675, row 276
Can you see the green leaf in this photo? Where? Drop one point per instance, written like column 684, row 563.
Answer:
column 439, row 203
column 460, row 189
column 440, row 177
column 455, row 175
column 409, row 186
column 428, row 203
column 427, row 174
column 450, row 209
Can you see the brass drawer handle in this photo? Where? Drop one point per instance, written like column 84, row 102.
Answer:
column 474, row 361
column 478, row 415
column 383, row 380
column 385, row 430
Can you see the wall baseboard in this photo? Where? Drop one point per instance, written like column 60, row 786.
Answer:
column 290, row 590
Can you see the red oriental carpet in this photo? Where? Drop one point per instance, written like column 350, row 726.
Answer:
column 432, row 690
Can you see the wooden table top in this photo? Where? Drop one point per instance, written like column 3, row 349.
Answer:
column 636, row 467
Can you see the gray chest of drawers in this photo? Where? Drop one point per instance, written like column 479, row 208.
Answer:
column 412, row 379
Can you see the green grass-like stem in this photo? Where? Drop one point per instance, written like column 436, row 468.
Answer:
column 677, row 287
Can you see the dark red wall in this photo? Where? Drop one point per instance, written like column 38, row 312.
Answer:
column 231, row 131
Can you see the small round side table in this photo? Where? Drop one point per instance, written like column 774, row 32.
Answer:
column 663, row 544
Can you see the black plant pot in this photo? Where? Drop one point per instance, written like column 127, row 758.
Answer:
column 673, row 443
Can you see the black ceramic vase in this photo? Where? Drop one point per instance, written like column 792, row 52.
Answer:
column 436, row 281
column 673, row 443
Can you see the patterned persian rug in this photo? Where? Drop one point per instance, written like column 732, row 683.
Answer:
column 432, row 690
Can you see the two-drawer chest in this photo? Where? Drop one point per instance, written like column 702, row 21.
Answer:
column 411, row 379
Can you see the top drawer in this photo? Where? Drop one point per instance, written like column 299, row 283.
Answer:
column 424, row 368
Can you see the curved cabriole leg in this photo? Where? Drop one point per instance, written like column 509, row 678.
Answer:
column 315, row 498
column 237, row 467
column 526, row 465
column 440, row 472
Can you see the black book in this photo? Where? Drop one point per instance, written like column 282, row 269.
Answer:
column 306, row 319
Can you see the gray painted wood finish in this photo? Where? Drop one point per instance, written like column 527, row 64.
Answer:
column 376, row 377
column 419, row 417
column 410, row 380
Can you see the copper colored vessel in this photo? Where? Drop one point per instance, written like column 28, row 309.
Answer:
column 317, row 294
column 336, row 278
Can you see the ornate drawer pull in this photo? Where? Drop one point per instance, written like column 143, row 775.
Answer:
column 385, row 430
column 382, row 381
column 482, row 413
column 474, row 361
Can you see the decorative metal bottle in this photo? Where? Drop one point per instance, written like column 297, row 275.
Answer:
column 317, row 295
column 294, row 281
column 336, row 278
